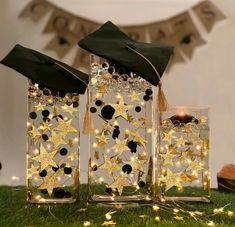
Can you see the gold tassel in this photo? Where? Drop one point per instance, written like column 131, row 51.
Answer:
column 162, row 104
column 88, row 125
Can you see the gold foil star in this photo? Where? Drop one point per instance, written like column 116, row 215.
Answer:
column 138, row 139
column 109, row 223
column 180, row 142
column 102, row 89
column 35, row 134
column 72, row 156
column 45, row 158
column 107, row 128
column 171, row 179
column 69, row 109
column 110, row 164
column 136, row 163
column 102, row 140
column 57, row 139
column 140, row 123
column 119, row 183
column 45, row 126
column 168, row 137
column 65, row 126
column 168, row 158
column 134, row 96
column 178, row 218
column 33, row 170
column 39, row 107
column 195, row 167
column 120, row 146
column 121, row 109
column 51, row 182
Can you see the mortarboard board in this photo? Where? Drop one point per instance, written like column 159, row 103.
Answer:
column 46, row 71
column 144, row 59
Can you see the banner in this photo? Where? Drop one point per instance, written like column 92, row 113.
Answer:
column 179, row 31
column 208, row 14
column 36, row 9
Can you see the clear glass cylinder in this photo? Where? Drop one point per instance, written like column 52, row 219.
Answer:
column 121, row 146
column 183, row 154
column 53, row 146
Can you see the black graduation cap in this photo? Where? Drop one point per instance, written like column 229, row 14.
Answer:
column 46, row 71
column 144, row 59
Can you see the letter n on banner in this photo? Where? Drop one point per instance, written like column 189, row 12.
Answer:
column 82, row 59
column 137, row 33
column 62, row 43
column 36, row 9
column 185, row 33
column 160, row 33
column 58, row 21
column 208, row 13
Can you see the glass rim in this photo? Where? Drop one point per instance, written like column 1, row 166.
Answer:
column 193, row 108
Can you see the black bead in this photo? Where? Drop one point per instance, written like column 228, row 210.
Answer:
column 33, row 115
column 121, row 71
column 63, row 151
column 105, row 65
column 141, row 184
column 67, row 170
column 115, row 77
column 111, row 70
column 107, row 112
column 59, row 193
column 60, row 116
column 132, row 144
column 184, row 119
column 46, row 92
column 55, row 169
column 43, row 173
column 146, row 98
column 94, row 168
column 54, row 92
column 45, row 113
column 44, row 191
column 138, row 109
column 68, row 194
column 116, row 133
column 127, row 168
column 108, row 190
column 45, row 137
column 0, row 165
column 68, row 103
column 75, row 104
column 46, row 119
column 93, row 109
column 41, row 87
column 148, row 92
column 62, row 94
column 98, row 102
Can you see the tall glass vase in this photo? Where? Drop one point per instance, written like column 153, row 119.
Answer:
column 121, row 146
column 53, row 146
column 183, row 154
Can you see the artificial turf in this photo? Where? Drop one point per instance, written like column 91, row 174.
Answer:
column 14, row 211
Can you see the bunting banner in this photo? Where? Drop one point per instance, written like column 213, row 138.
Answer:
column 181, row 31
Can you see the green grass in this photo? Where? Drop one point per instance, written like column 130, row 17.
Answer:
column 15, row 212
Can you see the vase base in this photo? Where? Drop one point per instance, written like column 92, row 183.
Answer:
column 187, row 199
column 51, row 201
column 124, row 201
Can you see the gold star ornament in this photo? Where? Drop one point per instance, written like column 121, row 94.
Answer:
column 110, row 164
column 171, row 179
column 45, row 158
column 119, row 183
column 120, row 146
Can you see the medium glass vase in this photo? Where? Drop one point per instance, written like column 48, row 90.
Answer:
column 183, row 154
column 121, row 146
column 53, row 145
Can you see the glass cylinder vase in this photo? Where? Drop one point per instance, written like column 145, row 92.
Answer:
column 53, row 145
column 121, row 147
column 183, row 154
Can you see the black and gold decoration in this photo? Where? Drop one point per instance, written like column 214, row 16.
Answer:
column 53, row 145
column 120, row 168
column 53, row 125
column 183, row 154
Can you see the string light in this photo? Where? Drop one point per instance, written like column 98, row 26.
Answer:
column 96, row 131
column 86, row 223
column 157, row 218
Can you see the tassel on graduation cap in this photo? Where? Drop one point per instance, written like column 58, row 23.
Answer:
column 88, row 126
column 162, row 103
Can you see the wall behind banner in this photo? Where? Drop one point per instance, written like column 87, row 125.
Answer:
column 206, row 80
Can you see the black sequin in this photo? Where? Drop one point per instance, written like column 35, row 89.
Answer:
column 67, row 170
column 33, row 115
column 46, row 92
column 127, row 168
column 93, row 109
column 141, row 184
column 59, row 193
column 148, row 92
column 45, row 137
column 62, row 94
column 138, row 109
column 98, row 102
column 75, row 104
column 108, row 190
column 45, row 113
column 94, row 167
column 107, row 112
column 63, row 151
column 43, row 173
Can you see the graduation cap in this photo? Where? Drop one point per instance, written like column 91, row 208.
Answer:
column 46, row 71
column 147, row 60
